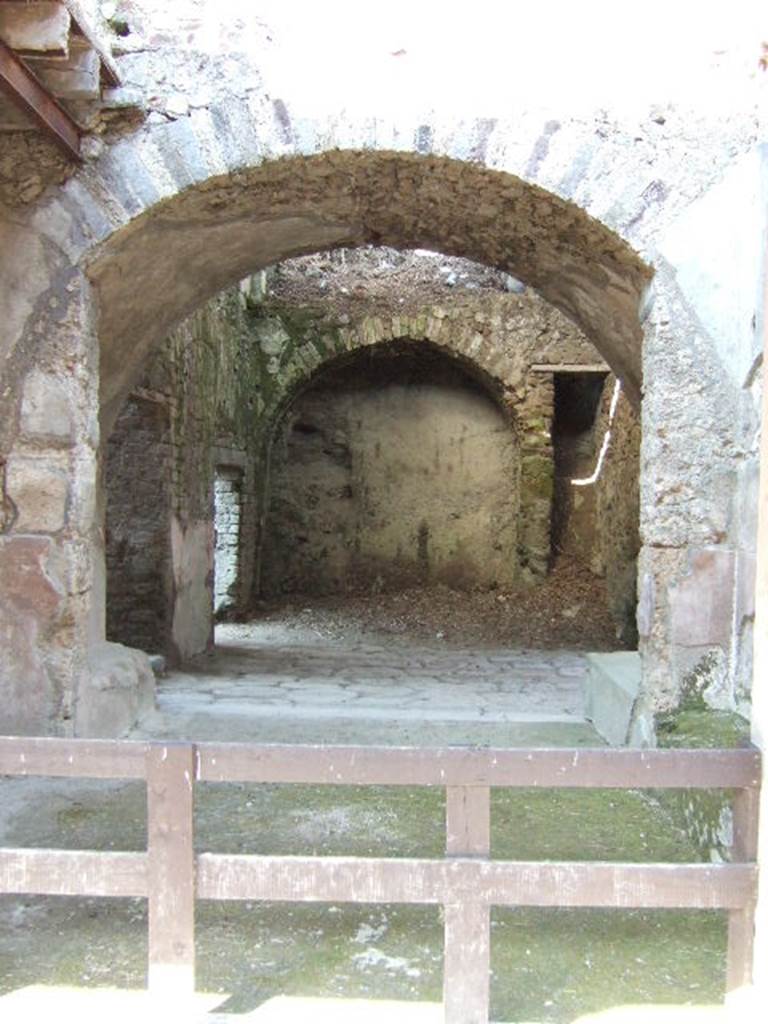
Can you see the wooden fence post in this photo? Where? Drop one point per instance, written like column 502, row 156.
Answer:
column 171, row 868
column 467, row 953
column 741, row 923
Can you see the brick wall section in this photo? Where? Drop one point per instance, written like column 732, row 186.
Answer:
column 139, row 571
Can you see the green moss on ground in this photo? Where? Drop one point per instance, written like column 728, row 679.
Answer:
column 697, row 726
column 705, row 815
column 548, row 965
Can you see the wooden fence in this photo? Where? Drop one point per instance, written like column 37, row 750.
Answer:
column 467, row 882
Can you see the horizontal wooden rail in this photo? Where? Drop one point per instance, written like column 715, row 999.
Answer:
column 467, row 882
column 58, row 758
column 73, row 873
column 388, row 880
column 497, row 883
column 453, row 766
column 601, row 768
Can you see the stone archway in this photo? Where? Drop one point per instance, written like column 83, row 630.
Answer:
column 477, row 341
column 162, row 220
column 227, row 375
column 213, row 235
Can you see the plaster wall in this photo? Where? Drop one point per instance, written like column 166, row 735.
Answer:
column 404, row 474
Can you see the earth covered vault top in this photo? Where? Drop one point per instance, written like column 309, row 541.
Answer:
column 176, row 254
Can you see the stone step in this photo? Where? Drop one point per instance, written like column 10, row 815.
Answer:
column 610, row 691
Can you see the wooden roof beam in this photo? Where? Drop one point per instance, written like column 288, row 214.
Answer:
column 32, row 97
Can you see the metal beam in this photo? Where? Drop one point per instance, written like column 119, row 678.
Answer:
column 33, row 98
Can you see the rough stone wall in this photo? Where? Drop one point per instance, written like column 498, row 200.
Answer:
column 162, row 487
column 139, row 570
column 229, row 376
column 318, row 309
column 617, row 510
column 48, row 535
column 227, row 174
column 396, row 472
column 309, row 312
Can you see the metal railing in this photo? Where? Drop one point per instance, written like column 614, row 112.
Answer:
column 467, row 881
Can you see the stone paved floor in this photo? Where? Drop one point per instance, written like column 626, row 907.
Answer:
column 260, row 679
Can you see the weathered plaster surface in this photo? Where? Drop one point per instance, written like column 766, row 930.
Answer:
column 395, row 472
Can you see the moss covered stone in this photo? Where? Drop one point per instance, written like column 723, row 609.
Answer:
column 537, row 479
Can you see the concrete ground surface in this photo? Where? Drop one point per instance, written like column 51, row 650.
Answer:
column 86, row 958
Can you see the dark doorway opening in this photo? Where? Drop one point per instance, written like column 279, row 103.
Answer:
column 577, row 398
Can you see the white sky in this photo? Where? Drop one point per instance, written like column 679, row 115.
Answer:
column 485, row 57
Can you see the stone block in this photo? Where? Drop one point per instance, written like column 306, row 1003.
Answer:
column 45, row 407
column 23, row 279
column 701, row 604
column 75, row 79
column 121, row 98
column 120, row 686
column 38, row 491
column 31, row 601
column 611, row 689
column 27, row 585
column 272, row 337
column 35, row 28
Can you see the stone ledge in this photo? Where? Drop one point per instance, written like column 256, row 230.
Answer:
column 611, row 688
